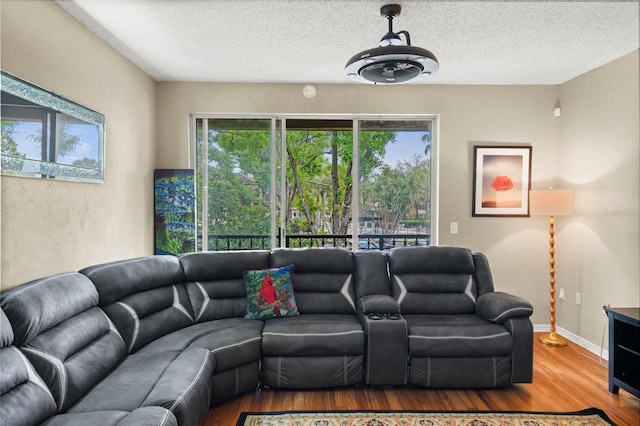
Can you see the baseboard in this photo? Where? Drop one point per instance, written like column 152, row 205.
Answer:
column 593, row 348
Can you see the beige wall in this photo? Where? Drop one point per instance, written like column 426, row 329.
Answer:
column 599, row 157
column 468, row 115
column 48, row 226
column 603, row 105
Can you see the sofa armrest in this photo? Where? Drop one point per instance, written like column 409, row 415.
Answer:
column 378, row 304
column 499, row 307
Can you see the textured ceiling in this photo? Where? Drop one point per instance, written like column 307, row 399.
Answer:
column 306, row 41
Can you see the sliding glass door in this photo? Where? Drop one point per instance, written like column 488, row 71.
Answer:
column 270, row 182
column 395, row 183
column 235, row 183
column 318, row 185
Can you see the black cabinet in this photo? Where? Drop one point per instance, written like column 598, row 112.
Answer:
column 624, row 349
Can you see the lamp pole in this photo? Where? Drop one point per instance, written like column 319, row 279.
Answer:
column 552, row 203
column 552, row 338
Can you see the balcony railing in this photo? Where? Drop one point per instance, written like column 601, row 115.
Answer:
column 365, row 242
column 239, row 242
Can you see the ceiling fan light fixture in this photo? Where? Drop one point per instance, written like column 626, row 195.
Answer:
column 392, row 62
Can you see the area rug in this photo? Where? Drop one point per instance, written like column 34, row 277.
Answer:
column 589, row 417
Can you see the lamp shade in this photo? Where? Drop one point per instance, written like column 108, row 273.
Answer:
column 551, row 202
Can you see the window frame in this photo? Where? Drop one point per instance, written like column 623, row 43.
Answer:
column 278, row 121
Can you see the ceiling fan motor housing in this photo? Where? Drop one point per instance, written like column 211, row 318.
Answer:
column 392, row 62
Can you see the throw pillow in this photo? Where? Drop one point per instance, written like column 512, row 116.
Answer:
column 270, row 293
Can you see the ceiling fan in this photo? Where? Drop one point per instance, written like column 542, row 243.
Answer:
column 392, row 62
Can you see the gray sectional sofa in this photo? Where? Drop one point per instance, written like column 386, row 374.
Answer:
column 158, row 340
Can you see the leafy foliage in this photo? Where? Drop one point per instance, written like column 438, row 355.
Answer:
column 68, row 145
column 395, row 194
column 9, row 144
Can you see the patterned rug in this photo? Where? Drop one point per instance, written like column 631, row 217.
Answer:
column 589, row 417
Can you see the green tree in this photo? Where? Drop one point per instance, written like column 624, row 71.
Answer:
column 320, row 170
column 389, row 197
column 68, row 145
column 318, row 178
column 395, row 194
column 9, row 144
column 239, row 182
column 306, row 175
column 418, row 174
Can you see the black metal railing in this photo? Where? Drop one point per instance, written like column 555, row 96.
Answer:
column 365, row 242
column 218, row 242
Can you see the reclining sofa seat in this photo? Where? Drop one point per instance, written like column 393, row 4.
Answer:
column 164, row 303
column 24, row 397
column 216, row 288
column 324, row 345
column 26, row 400
column 79, row 355
column 461, row 334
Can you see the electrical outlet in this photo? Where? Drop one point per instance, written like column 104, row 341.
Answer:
column 561, row 294
column 579, row 299
column 453, row 227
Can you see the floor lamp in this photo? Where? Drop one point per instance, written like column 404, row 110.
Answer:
column 552, row 202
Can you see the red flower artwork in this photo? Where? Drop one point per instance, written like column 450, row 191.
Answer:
column 502, row 183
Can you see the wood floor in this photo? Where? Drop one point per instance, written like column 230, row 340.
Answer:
column 565, row 379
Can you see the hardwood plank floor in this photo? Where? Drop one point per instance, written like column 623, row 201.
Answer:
column 565, row 379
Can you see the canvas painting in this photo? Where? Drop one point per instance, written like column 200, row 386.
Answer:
column 175, row 211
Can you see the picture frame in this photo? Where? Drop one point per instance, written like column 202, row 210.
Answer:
column 47, row 136
column 501, row 181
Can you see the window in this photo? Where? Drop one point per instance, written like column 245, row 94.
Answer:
column 395, row 183
column 47, row 136
column 319, row 165
column 300, row 182
column 233, row 183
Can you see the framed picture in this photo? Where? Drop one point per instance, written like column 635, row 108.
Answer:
column 501, row 180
